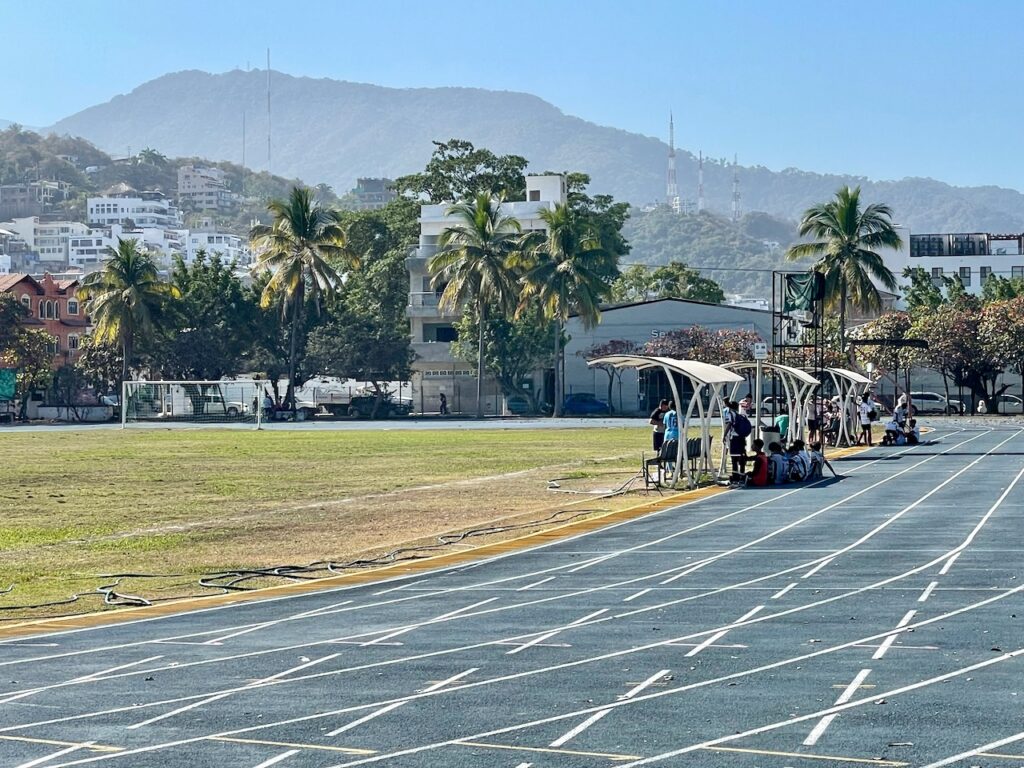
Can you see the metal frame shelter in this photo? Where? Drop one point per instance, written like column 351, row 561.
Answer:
column 849, row 385
column 797, row 385
column 704, row 379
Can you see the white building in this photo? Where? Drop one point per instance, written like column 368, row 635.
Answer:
column 973, row 256
column 5, row 264
column 230, row 247
column 435, row 370
column 204, row 189
column 144, row 209
column 47, row 239
column 89, row 249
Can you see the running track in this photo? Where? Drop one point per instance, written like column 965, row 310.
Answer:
column 876, row 620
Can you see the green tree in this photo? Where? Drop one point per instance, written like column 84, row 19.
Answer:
column 30, row 354
column 1002, row 329
column 100, row 362
column 473, row 266
column 570, row 272
column 12, row 320
column 298, row 250
column 126, row 300
column 459, row 171
column 676, row 280
column 514, row 347
column 846, row 250
column 999, row 288
column 635, row 283
column 921, row 294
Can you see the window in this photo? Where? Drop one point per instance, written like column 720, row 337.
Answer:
column 1017, row 272
column 72, row 342
column 72, row 304
column 965, row 275
column 984, row 274
column 56, row 310
column 26, row 301
column 534, row 195
column 936, row 271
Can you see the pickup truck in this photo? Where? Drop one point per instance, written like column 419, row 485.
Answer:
column 361, row 406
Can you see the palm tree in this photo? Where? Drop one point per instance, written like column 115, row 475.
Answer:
column 473, row 266
column 569, row 271
column 298, row 250
column 845, row 249
column 124, row 299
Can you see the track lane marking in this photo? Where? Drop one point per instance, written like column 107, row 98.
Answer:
column 551, row 633
column 887, row 643
column 535, row 584
column 817, row 568
column 783, row 591
column 719, row 635
column 53, row 755
column 819, row 730
column 366, row 718
column 927, row 591
column 987, row 748
column 266, row 743
column 550, row 750
column 277, row 759
column 806, row 756
column 428, row 622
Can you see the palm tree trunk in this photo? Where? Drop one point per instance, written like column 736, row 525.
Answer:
column 842, row 315
column 480, row 363
column 289, row 397
column 557, row 411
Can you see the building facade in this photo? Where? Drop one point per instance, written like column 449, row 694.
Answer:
column 143, row 209
column 53, row 307
column 204, row 189
column 229, row 247
column 31, row 198
column 48, row 240
column 374, row 193
column 639, row 323
column 435, row 371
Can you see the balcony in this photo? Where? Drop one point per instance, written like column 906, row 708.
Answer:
column 425, row 304
column 433, row 351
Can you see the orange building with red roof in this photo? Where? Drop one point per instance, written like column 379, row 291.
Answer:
column 53, row 307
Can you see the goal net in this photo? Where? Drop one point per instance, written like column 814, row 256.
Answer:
column 236, row 401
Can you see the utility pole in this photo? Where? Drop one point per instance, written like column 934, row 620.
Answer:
column 243, row 138
column 700, row 181
column 268, row 112
column 671, row 188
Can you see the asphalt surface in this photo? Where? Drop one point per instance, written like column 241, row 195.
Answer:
column 877, row 619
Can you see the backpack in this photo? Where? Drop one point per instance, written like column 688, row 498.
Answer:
column 741, row 425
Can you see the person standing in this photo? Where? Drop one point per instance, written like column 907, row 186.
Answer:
column 444, row 404
column 746, row 404
column 670, row 446
column 864, row 411
column 658, row 423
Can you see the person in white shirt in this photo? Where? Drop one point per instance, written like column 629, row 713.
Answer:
column 892, row 429
column 864, row 409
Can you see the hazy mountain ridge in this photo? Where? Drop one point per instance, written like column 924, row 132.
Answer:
column 334, row 131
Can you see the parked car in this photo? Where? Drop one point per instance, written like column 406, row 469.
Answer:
column 1007, row 404
column 584, row 404
column 517, row 405
column 933, row 402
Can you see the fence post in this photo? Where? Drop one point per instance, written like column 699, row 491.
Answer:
column 124, row 403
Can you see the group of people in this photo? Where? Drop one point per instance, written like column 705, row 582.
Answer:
column 901, row 429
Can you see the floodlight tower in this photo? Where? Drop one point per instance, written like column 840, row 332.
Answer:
column 700, row 181
column 735, row 190
column 671, row 188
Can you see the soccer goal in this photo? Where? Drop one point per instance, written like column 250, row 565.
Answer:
column 235, row 401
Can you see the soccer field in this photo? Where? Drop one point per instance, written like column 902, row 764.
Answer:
column 79, row 505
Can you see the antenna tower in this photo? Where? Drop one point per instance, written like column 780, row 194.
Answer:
column 735, row 190
column 268, row 111
column 671, row 188
column 243, row 138
column 700, row 181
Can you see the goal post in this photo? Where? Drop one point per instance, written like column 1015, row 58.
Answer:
column 226, row 402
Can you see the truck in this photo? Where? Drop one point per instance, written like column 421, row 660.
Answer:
column 337, row 397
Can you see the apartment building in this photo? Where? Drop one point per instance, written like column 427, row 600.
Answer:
column 229, row 247
column 374, row 193
column 143, row 209
column 204, row 189
column 435, row 370
column 31, row 198
column 47, row 239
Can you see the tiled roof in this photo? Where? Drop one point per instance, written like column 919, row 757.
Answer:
column 9, row 281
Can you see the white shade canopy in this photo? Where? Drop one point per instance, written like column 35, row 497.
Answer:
column 798, row 374
column 699, row 373
column 852, row 376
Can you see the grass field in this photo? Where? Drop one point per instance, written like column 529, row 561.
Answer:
column 79, row 505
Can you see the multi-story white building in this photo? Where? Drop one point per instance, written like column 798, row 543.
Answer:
column 144, row 209
column 230, row 247
column 972, row 256
column 48, row 240
column 435, row 370
column 88, row 250
column 204, row 189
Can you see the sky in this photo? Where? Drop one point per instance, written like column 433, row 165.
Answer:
column 884, row 90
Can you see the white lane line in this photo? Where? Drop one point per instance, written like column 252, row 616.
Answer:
column 722, row 633
column 277, row 759
column 595, row 561
column 468, row 587
column 536, row 584
column 402, row 586
column 949, row 564
column 661, row 673
column 324, row 610
column 823, row 724
column 635, row 595
column 977, row 751
column 548, row 635
column 726, row 646
column 83, row 679
column 524, row 765
column 52, row 755
column 442, row 617
column 817, row 568
column 454, row 678
column 225, row 694
column 783, row 591
column 616, row 654
column 366, row 718
column 569, row 735
column 927, row 592
column 887, row 643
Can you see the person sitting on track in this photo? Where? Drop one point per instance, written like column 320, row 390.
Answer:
column 776, row 465
column 892, row 431
column 758, row 476
column 817, row 461
column 913, row 433
column 799, row 464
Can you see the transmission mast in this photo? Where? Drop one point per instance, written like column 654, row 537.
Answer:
column 700, row 181
column 671, row 188
column 735, row 190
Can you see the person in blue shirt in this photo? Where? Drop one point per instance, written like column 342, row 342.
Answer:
column 671, row 445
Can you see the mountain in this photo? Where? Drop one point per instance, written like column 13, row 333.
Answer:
column 334, row 131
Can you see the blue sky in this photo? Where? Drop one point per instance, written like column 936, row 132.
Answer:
column 880, row 89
